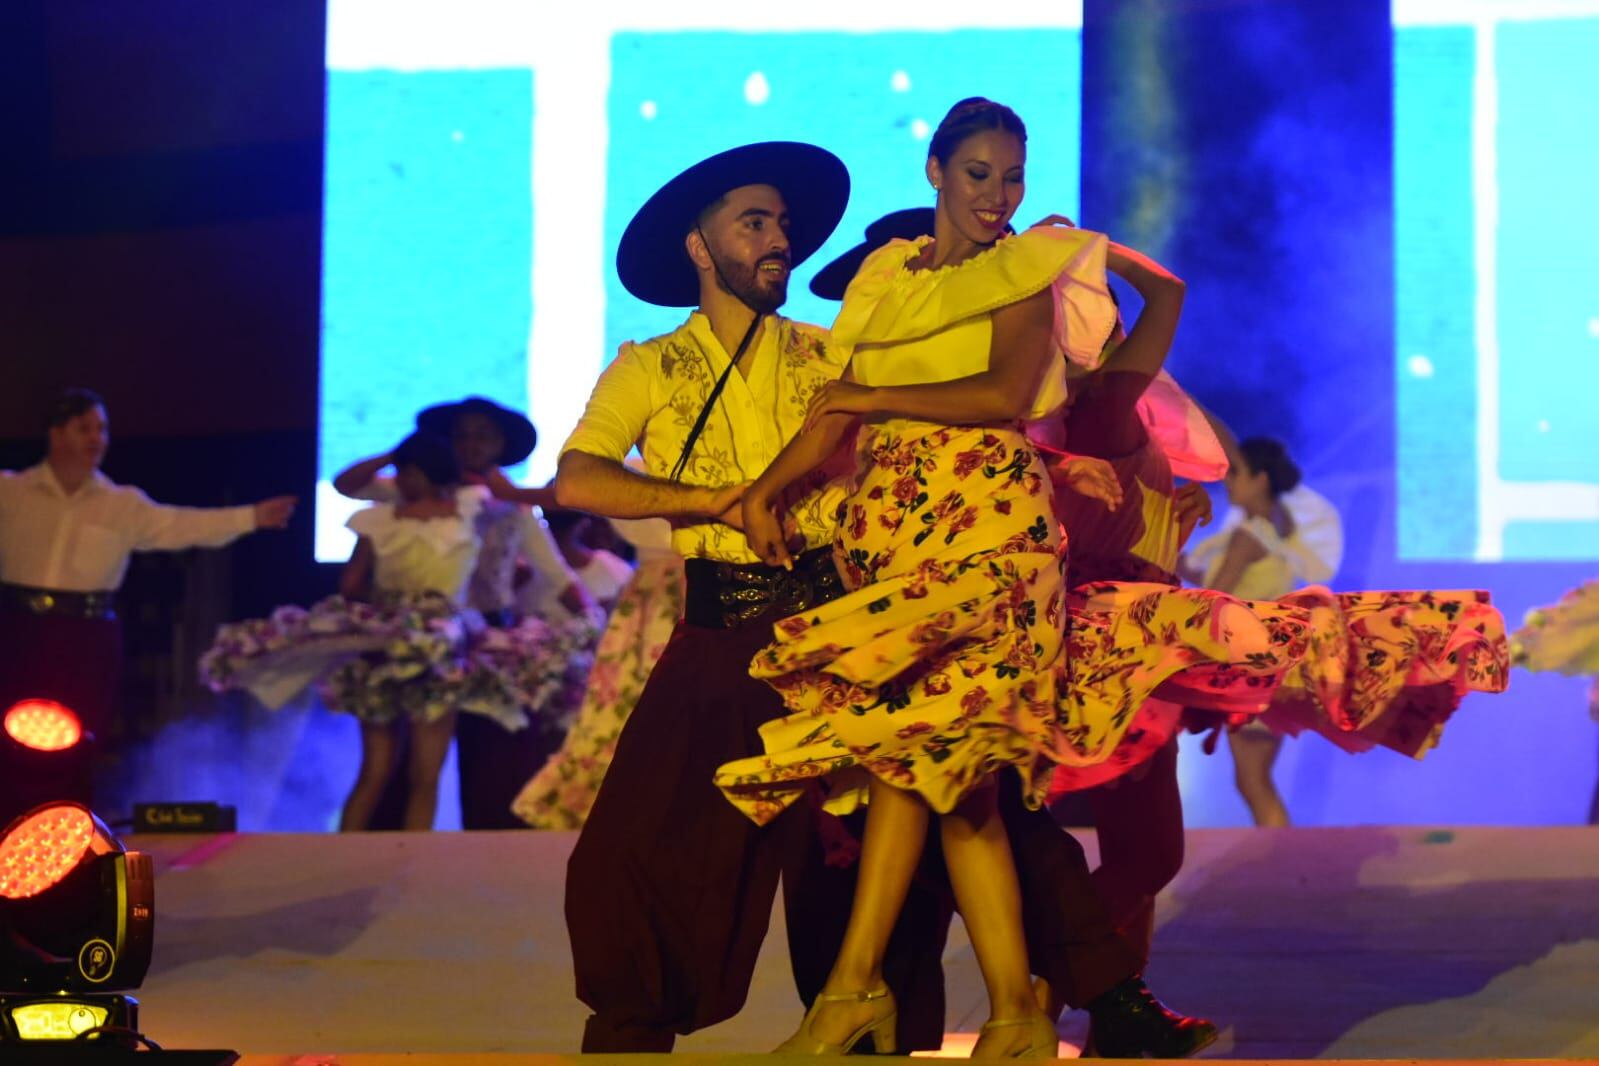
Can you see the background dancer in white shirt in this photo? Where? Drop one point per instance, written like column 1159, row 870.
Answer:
column 1277, row 535
column 494, row 763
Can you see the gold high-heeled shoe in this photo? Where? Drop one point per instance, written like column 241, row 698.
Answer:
column 880, row 1027
column 1043, row 1043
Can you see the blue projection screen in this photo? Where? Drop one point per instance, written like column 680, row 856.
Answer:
column 483, row 159
column 1495, row 166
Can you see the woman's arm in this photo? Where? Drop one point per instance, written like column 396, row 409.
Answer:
column 1242, row 550
column 809, row 449
column 1144, row 350
column 357, row 476
column 355, row 580
column 1019, row 356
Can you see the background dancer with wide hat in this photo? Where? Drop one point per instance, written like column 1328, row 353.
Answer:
column 494, row 762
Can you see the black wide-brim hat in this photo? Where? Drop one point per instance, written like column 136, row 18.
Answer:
column 520, row 436
column 831, row 281
column 651, row 260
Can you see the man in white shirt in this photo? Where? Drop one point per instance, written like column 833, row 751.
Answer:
column 66, row 531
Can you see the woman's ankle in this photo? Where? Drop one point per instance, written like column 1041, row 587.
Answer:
column 1005, row 1007
column 854, row 979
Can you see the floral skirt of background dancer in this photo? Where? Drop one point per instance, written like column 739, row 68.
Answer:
column 1562, row 637
column 417, row 655
column 960, row 652
column 560, row 794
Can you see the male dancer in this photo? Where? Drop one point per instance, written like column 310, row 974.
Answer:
column 669, row 888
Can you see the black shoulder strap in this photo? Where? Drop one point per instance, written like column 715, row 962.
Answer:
column 710, row 401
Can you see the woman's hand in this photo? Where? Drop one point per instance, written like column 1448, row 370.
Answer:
column 499, row 486
column 763, row 529
column 839, row 397
column 1090, row 477
column 1054, row 220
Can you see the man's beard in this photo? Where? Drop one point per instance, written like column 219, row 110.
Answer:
column 744, row 282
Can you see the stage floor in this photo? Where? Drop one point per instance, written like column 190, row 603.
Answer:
column 1357, row 943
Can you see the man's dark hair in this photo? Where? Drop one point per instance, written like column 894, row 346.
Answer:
column 72, row 403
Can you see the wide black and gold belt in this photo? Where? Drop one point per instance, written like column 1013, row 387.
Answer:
column 729, row 595
column 22, row 598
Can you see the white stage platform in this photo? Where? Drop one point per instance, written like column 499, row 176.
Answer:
column 1361, row 943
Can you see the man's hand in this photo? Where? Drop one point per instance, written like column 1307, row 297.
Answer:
column 274, row 513
column 1090, row 477
column 1190, row 507
column 840, row 848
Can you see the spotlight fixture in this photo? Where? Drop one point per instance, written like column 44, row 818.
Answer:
column 44, row 756
column 77, row 913
column 43, row 725
column 77, row 908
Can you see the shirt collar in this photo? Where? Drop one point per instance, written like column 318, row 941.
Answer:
column 43, row 477
column 699, row 326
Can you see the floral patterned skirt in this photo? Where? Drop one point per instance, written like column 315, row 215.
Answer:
column 960, row 652
column 560, row 794
column 1381, row 669
column 417, row 655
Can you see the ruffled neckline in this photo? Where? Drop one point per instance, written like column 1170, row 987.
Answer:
column 920, row 244
column 382, row 523
column 888, row 302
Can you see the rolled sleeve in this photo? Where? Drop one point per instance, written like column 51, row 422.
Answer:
column 617, row 411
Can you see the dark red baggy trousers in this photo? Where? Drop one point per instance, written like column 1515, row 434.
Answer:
column 670, row 888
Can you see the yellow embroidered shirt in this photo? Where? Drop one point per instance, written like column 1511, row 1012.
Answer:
column 653, row 391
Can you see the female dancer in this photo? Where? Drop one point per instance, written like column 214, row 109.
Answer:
column 1254, row 556
column 948, row 662
column 486, row 437
column 397, row 643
